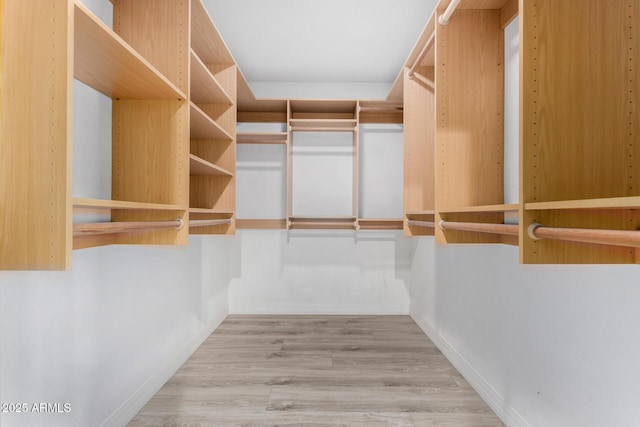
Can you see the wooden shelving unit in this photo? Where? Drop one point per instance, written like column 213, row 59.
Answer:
column 580, row 133
column 212, row 158
column 144, row 65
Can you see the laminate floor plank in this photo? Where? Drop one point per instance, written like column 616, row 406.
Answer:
column 373, row 371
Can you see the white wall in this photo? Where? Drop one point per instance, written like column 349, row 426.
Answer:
column 544, row 345
column 319, row 272
column 106, row 335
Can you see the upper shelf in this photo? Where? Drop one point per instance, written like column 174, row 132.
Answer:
column 205, row 38
column 205, row 89
column 487, row 208
column 261, row 137
column 204, row 127
column 121, row 204
column 606, row 203
column 105, row 62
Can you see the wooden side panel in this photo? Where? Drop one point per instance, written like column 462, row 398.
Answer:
column 469, row 111
column 580, row 133
column 159, row 31
column 580, row 127
column 35, row 135
column 419, row 135
column 150, row 162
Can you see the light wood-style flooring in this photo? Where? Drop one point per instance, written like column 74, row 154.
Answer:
column 364, row 371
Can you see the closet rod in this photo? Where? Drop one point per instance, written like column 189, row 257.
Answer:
column 422, row 54
column 207, row 222
column 429, row 224
column 322, row 129
column 444, row 18
column 629, row 238
column 94, row 228
column 480, row 227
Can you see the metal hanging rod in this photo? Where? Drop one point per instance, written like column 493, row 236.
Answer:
column 630, row 238
column 322, row 129
column 480, row 227
column 422, row 54
column 444, row 18
column 95, row 228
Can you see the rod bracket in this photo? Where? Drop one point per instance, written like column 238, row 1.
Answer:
column 531, row 231
column 442, row 21
column 181, row 223
column 441, row 224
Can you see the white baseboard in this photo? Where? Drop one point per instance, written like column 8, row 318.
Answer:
column 136, row 402
column 503, row 410
column 319, row 309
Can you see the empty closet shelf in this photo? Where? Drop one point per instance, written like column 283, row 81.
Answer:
column 105, row 62
column 323, row 125
column 322, row 223
column 261, row 137
column 202, row 167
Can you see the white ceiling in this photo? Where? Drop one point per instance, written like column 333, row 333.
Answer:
column 320, row 40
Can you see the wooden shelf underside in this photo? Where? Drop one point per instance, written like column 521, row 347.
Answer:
column 487, row 208
column 261, row 137
column 105, row 62
column 204, row 127
column 210, row 211
column 82, row 203
column 632, row 202
column 205, row 38
column 200, row 166
column 205, row 88
column 323, row 124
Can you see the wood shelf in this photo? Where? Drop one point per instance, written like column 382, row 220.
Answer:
column 205, row 88
column 414, row 213
column 200, row 166
column 487, row 208
column 205, row 38
column 120, row 204
column 309, row 223
column 323, row 124
column 261, row 137
column 204, row 127
column 105, row 62
column 632, row 202
column 380, row 223
column 210, row 211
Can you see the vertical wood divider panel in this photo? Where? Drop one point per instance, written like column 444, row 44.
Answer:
column 469, row 76
column 150, row 138
column 580, row 133
column 36, row 135
column 289, row 166
column 419, row 134
column 355, row 212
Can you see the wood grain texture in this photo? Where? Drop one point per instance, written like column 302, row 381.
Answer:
column 469, row 110
column 159, row 31
column 35, row 136
column 419, row 146
column 579, row 127
column 317, row 371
